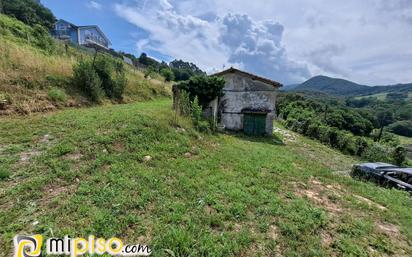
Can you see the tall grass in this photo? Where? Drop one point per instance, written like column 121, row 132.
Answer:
column 32, row 63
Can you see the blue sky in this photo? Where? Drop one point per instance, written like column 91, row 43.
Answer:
column 122, row 34
column 365, row 41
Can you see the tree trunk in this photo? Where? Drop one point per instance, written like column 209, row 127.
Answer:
column 380, row 134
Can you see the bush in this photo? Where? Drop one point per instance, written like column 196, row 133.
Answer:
column 377, row 153
column 167, row 74
column 185, row 105
column 361, row 145
column 203, row 126
column 346, row 142
column 313, row 130
column 399, row 155
column 101, row 77
column 87, row 80
column 119, row 84
column 57, row 95
column 196, row 111
column 333, row 137
column 43, row 39
column 324, row 134
column 4, row 174
column 403, row 128
column 112, row 75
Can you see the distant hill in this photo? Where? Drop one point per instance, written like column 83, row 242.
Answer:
column 341, row 87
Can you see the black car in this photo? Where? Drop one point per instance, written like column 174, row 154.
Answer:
column 385, row 174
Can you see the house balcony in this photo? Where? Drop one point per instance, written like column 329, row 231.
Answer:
column 61, row 35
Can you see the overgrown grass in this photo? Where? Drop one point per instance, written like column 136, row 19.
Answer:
column 29, row 72
column 83, row 171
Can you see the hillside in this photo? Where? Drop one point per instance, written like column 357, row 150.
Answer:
column 87, row 171
column 341, row 87
column 36, row 72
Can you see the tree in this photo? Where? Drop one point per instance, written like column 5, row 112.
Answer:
column 384, row 118
column 167, row 74
column 399, row 155
column 205, row 88
column 29, row 11
column 403, row 128
column 184, row 70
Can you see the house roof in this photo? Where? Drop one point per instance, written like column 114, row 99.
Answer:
column 61, row 20
column 250, row 75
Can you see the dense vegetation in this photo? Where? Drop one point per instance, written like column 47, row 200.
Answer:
column 176, row 70
column 191, row 98
column 349, row 129
column 204, row 88
column 101, row 76
column 28, row 11
column 396, row 106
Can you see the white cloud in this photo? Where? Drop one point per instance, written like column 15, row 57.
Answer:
column 365, row 41
column 231, row 40
column 94, row 5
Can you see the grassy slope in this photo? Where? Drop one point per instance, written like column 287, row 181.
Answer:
column 81, row 172
column 28, row 73
column 382, row 96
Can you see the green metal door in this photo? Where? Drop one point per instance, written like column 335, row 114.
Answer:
column 254, row 124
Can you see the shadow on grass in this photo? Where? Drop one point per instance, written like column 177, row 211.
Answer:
column 272, row 140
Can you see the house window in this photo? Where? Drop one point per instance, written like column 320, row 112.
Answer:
column 63, row 26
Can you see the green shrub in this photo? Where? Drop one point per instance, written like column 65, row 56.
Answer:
column 111, row 73
column 346, row 142
column 399, row 155
column 167, row 74
column 43, row 39
column 86, row 79
column 205, row 88
column 184, row 103
column 101, row 77
column 361, row 145
column 324, row 134
column 119, row 85
column 313, row 130
column 203, row 126
column 4, row 174
column 377, row 153
column 403, row 128
column 57, row 95
column 333, row 137
column 196, row 111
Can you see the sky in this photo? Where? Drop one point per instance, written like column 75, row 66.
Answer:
column 368, row 41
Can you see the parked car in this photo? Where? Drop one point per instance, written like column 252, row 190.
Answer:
column 385, row 174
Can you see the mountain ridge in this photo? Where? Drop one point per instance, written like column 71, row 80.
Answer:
column 342, row 87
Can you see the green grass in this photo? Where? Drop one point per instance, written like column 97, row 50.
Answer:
column 382, row 96
column 405, row 140
column 82, row 171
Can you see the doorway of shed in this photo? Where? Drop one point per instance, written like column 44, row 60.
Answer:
column 254, row 124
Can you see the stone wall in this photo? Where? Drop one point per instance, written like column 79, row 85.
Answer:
column 242, row 93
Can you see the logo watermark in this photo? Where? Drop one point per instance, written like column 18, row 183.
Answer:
column 31, row 246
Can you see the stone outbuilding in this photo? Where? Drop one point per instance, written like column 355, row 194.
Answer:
column 248, row 104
